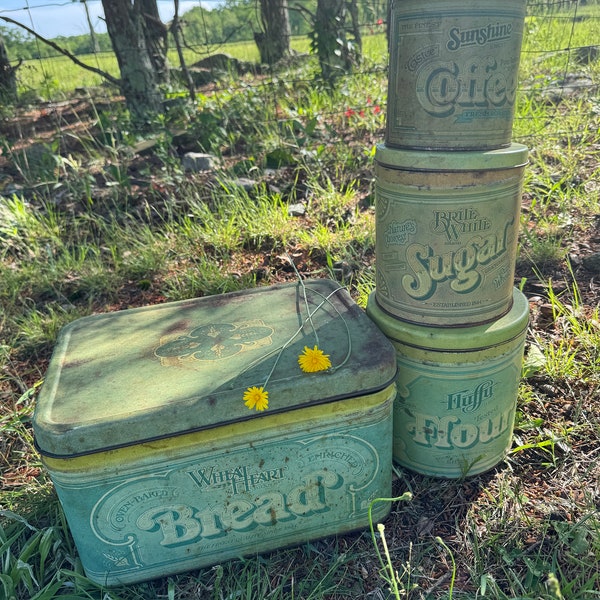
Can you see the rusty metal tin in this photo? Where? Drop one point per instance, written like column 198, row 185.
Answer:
column 159, row 465
column 447, row 228
column 453, row 73
column 457, row 391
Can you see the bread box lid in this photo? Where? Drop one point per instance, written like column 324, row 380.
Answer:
column 142, row 374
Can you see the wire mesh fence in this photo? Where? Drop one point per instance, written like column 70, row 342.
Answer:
column 560, row 53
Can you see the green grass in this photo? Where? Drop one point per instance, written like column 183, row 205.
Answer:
column 96, row 228
column 54, row 77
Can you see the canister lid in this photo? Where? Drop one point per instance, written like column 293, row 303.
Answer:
column 512, row 156
column 453, row 339
column 137, row 375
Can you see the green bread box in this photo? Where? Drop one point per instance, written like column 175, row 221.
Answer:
column 159, row 464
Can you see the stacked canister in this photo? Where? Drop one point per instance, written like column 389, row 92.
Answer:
column 448, row 194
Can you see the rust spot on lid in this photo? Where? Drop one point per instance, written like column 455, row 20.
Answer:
column 76, row 363
column 177, row 327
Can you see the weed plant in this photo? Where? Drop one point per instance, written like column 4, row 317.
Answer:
column 94, row 228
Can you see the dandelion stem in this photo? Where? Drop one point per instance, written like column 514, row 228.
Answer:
column 299, row 330
column 305, row 296
column 348, row 354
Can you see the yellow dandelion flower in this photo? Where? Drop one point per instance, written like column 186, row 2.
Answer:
column 313, row 360
column 256, row 397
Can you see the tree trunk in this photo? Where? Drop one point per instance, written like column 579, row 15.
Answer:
column 8, row 79
column 274, row 41
column 157, row 40
column 353, row 9
column 337, row 44
column 139, row 79
column 329, row 39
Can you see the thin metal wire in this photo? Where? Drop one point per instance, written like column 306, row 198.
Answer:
column 544, row 10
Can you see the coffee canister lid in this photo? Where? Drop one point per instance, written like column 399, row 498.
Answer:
column 453, row 339
column 510, row 157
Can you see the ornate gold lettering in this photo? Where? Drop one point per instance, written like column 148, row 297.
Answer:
column 460, row 266
column 182, row 524
column 449, row 432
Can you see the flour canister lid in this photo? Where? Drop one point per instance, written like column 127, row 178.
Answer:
column 511, row 157
column 454, row 339
column 142, row 374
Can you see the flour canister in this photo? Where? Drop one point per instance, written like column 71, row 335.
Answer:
column 453, row 73
column 159, row 464
column 457, row 391
column 447, row 227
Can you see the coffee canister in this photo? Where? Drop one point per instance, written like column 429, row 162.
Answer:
column 447, row 225
column 453, row 73
column 457, row 391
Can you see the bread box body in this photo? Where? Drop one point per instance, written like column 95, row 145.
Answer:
column 160, row 466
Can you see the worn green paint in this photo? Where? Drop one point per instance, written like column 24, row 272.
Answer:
column 457, row 391
column 161, row 468
column 453, row 73
column 447, row 227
